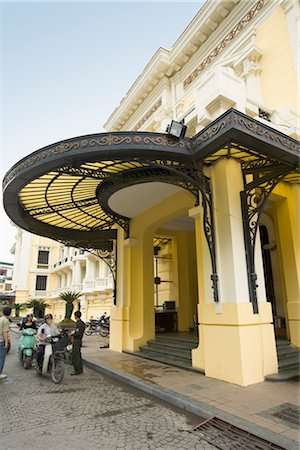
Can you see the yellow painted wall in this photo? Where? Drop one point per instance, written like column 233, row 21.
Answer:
column 278, row 77
column 287, row 220
column 139, row 286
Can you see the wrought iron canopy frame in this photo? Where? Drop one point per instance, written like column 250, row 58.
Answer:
column 61, row 191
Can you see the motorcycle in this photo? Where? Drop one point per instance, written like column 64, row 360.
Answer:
column 26, row 347
column 54, row 356
column 92, row 327
column 100, row 326
column 104, row 326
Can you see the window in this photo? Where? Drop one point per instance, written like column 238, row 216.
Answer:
column 41, row 283
column 7, row 287
column 43, row 257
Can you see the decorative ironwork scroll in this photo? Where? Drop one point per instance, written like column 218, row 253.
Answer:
column 265, row 174
column 209, row 231
column 107, row 252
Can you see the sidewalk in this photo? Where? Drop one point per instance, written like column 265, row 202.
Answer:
column 250, row 408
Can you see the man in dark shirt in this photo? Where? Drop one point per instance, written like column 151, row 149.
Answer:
column 77, row 343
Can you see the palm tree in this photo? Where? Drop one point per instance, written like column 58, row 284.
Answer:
column 18, row 307
column 69, row 297
column 38, row 306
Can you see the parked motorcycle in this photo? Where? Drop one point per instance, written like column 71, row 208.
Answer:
column 93, row 326
column 104, row 326
column 54, row 356
column 100, row 326
column 26, row 347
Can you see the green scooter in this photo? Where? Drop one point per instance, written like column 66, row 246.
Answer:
column 26, row 347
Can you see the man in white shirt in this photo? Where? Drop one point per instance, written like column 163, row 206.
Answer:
column 47, row 329
column 4, row 338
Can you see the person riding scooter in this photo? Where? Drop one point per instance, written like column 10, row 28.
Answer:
column 27, row 345
column 28, row 322
column 46, row 330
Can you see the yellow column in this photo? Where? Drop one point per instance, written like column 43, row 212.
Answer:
column 119, row 317
column 141, row 311
column 186, row 279
column 235, row 344
column 288, row 223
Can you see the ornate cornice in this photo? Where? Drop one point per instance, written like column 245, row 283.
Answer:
column 149, row 113
column 225, row 42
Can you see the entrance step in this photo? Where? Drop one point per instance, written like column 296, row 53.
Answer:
column 172, row 353
column 174, row 349
column 288, row 362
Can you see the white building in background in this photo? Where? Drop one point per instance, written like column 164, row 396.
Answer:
column 44, row 268
column 6, row 273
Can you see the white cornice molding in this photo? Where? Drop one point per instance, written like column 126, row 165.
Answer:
column 191, row 48
column 168, row 62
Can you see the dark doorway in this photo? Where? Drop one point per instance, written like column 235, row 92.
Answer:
column 268, row 274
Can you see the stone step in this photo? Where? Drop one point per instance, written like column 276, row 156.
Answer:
column 171, row 345
column 161, row 353
column 160, row 337
column 282, row 343
column 290, row 365
column 165, row 360
column 288, row 351
column 185, row 353
column 289, row 355
column 287, row 375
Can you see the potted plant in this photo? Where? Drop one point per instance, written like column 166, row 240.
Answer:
column 69, row 297
column 18, row 307
column 38, row 306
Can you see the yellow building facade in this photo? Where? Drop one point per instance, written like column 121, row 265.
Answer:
column 207, row 224
column 244, row 58
column 44, row 268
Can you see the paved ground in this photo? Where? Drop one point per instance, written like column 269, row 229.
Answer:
column 251, row 407
column 86, row 411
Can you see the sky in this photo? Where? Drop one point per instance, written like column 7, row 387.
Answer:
column 67, row 65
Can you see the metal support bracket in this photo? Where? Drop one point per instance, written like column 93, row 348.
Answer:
column 108, row 254
column 209, row 231
column 264, row 176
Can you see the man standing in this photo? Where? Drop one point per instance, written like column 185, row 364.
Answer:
column 77, row 343
column 4, row 338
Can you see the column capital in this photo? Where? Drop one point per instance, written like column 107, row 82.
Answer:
column 130, row 242
column 195, row 212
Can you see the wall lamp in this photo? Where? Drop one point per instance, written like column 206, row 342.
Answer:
column 176, row 129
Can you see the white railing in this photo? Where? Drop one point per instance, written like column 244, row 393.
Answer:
column 63, row 262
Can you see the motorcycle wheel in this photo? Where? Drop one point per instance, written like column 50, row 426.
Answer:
column 104, row 331
column 27, row 361
column 87, row 331
column 57, row 370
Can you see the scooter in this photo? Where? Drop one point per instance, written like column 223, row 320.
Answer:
column 54, row 356
column 26, row 347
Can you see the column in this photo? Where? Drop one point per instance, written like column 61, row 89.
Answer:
column 141, row 277
column 77, row 275
column 119, row 315
column 288, row 223
column 89, row 274
column 235, row 344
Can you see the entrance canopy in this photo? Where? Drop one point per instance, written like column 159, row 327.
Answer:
column 66, row 191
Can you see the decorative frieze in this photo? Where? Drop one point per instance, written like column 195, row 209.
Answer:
column 148, row 114
column 225, row 42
